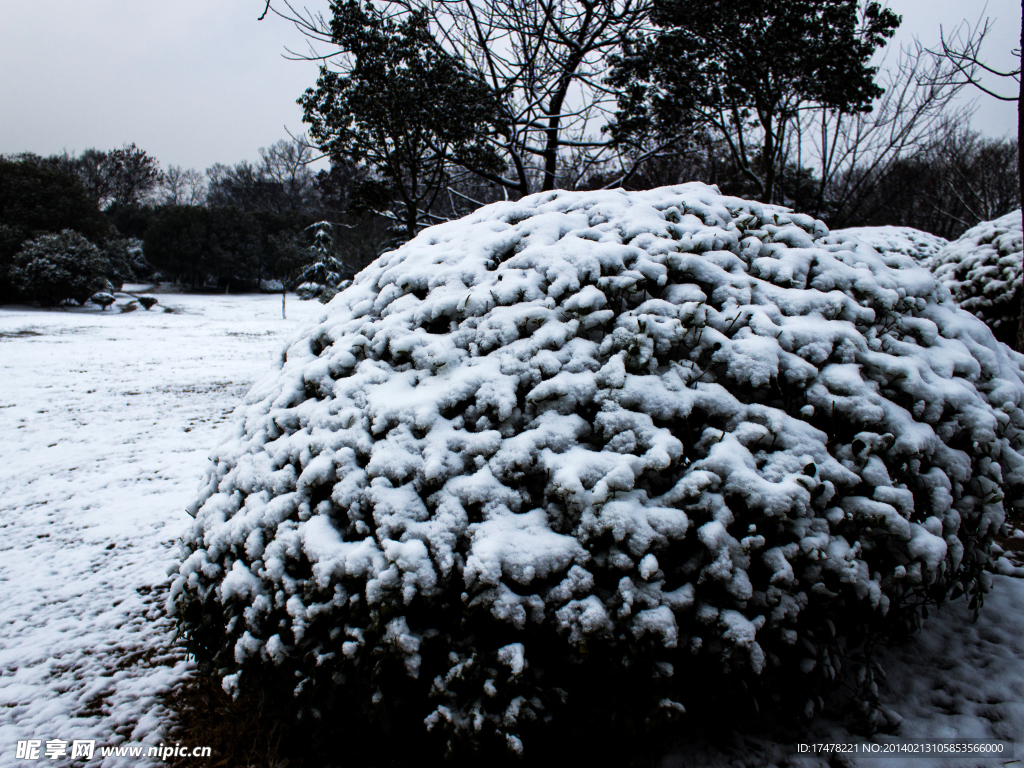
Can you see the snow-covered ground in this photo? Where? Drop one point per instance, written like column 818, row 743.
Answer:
column 955, row 680
column 106, row 420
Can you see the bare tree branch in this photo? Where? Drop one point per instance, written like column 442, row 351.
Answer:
column 963, row 50
column 545, row 59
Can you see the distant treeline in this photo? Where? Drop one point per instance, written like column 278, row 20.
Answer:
column 229, row 228
column 233, row 227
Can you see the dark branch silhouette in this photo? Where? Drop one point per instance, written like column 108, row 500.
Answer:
column 963, row 51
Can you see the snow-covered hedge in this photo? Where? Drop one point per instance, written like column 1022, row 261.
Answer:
column 600, row 456
column 983, row 271
column 55, row 268
column 906, row 241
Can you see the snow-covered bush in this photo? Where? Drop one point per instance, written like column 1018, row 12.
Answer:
column 54, row 268
column 889, row 240
column 148, row 302
column 600, row 457
column 983, row 272
column 329, row 291
column 308, row 291
column 103, row 298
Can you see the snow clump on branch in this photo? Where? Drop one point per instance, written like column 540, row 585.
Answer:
column 889, row 240
column 587, row 455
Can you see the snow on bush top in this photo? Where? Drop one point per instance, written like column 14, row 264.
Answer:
column 581, row 449
column 888, row 240
column 983, row 271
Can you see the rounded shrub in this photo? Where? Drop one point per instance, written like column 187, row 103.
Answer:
column 596, row 460
column 103, row 299
column 55, row 268
column 982, row 269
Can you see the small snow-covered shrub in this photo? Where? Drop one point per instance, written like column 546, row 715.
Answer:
column 602, row 457
column 889, row 240
column 983, row 272
column 328, row 293
column 103, row 298
column 54, row 268
column 307, row 291
column 148, row 302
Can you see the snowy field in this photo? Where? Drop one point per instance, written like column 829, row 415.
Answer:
column 106, row 421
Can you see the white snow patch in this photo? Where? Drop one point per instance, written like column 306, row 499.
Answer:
column 107, row 420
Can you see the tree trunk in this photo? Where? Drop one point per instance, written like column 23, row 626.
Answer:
column 551, row 146
column 1020, row 148
column 411, row 217
column 768, row 163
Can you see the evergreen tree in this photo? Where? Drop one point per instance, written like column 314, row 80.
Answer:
column 406, row 108
column 323, row 273
column 746, row 69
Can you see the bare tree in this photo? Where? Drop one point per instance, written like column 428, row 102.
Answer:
column 959, row 180
column 92, row 168
column 546, row 60
column 852, row 153
column 182, row 187
column 238, row 186
column 286, row 165
column 282, row 181
column 963, row 50
column 980, row 176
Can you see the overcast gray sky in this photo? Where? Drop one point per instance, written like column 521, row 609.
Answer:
column 194, row 82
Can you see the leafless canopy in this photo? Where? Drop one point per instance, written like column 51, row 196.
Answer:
column 546, row 59
column 851, row 153
column 963, row 50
